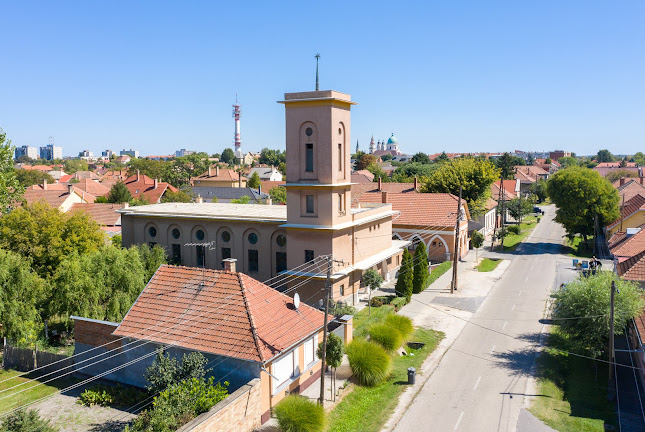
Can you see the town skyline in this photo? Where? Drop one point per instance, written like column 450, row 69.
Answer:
column 481, row 78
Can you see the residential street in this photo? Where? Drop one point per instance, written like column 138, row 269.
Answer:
column 480, row 383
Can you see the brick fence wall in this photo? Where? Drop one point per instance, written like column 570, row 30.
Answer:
column 96, row 333
column 239, row 412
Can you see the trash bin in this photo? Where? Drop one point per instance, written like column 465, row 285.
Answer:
column 412, row 373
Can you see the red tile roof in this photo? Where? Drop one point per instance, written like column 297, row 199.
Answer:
column 419, row 209
column 140, row 185
column 640, row 325
column 629, row 246
column 362, row 188
column 506, row 196
column 93, row 187
column 635, row 271
column 615, row 165
column 268, row 185
column 629, row 189
column 103, row 214
column 54, row 197
column 218, row 312
column 530, row 173
column 225, row 174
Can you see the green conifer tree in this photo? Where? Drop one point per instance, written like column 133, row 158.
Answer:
column 404, row 283
column 420, row 268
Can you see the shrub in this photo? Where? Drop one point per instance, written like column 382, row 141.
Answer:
column 369, row 362
column 401, row 323
column 376, row 302
column 388, row 337
column 403, row 287
column 421, row 273
column 96, row 396
column 513, row 229
column 166, row 370
column 339, row 309
column 299, row 414
column 105, row 395
column 26, row 421
column 399, row 302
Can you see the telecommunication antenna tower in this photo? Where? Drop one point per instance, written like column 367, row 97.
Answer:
column 236, row 114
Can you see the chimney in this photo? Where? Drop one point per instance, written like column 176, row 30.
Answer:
column 269, row 201
column 138, row 176
column 70, row 188
column 217, row 171
column 199, row 199
column 416, row 183
column 156, row 183
column 384, row 197
column 622, row 181
column 229, row 264
column 44, row 184
column 379, row 183
column 641, row 179
column 126, row 204
column 240, row 181
column 210, row 171
column 260, row 190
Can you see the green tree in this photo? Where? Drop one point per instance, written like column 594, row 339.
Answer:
column 474, row 175
column 333, row 355
column 421, row 272
column 46, row 235
column 404, row 283
column 278, row 195
column 530, row 159
column 443, row 157
column 620, row 173
column 254, row 180
column 167, row 371
column 119, row 193
column 538, row 190
column 405, row 173
column 228, row 156
column 28, row 178
column 590, row 298
column 477, row 240
column 26, row 421
column 245, row 199
column 365, row 161
column 605, row 156
column 639, row 158
column 373, row 280
column 518, row 208
column 21, row 296
column 579, row 195
column 386, row 157
column 506, row 163
column 420, row 158
column 272, row 157
column 176, row 197
column 10, row 189
column 155, row 169
column 378, row 173
column 152, row 258
column 70, row 166
column 567, row 161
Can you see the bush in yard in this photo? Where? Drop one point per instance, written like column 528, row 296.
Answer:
column 477, row 239
column 399, row 302
column 376, row 302
column 95, row 396
column 299, row 414
column 26, row 421
column 388, row 337
column 513, row 229
column 105, row 395
column 369, row 362
column 166, row 370
column 403, row 287
column 401, row 323
column 420, row 269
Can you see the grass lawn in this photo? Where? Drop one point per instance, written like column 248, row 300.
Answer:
column 488, row 265
column 578, row 248
column 438, row 271
column 572, row 394
column 363, row 321
column 34, row 393
column 368, row 408
column 512, row 241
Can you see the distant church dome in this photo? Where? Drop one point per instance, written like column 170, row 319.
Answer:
column 392, row 140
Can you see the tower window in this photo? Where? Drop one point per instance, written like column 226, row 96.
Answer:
column 309, row 255
column 340, row 157
column 201, row 256
column 309, row 158
column 176, row 254
column 253, row 260
column 310, row 204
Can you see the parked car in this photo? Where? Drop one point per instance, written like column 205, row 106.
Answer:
column 538, row 210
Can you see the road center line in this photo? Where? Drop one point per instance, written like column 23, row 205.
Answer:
column 504, row 326
column 477, row 383
column 458, row 421
column 492, row 350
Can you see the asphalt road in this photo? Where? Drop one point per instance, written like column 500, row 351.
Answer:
column 480, row 383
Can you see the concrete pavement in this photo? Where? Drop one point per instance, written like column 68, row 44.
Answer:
column 477, row 379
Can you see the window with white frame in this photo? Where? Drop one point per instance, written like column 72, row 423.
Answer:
column 309, row 351
column 284, row 368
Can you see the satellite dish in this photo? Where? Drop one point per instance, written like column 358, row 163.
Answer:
column 296, row 300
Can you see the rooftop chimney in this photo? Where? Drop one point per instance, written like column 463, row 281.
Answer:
column 379, row 183
column 269, row 201
column 260, row 190
column 70, row 188
column 240, row 181
column 622, row 181
column 156, row 183
column 416, row 183
column 229, row 264
column 210, row 171
column 384, row 197
column 44, row 184
column 641, row 179
column 126, row 204
column 138, row 176
column 199, row 199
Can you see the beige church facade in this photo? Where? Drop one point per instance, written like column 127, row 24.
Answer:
column 319, row 220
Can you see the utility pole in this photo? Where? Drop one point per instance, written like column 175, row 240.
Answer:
column 501, row 183
column 595, row 233
column 497, row 215
column 611, row 334
column 324, row 342
column 455, row 258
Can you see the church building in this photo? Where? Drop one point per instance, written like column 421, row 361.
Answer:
column 287, row 246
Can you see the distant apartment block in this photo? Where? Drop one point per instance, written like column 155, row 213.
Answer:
column 557, row 154
column 51, row 152
column 184, row 152
column 107, row 154
column 31, row 152
column 131, row 153
column 85, row 154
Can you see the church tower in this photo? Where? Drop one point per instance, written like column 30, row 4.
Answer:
column 318, row 173
column 372, row 145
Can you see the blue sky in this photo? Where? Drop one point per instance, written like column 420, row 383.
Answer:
column 455, row 76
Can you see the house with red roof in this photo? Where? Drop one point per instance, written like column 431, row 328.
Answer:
column 219, row 177
column 632, row 215
column 143, row 187
column 245, row 329
column 57, row 195
column 104, row 214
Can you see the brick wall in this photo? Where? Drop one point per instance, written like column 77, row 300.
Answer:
column 96, row 333
column 239, row 412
